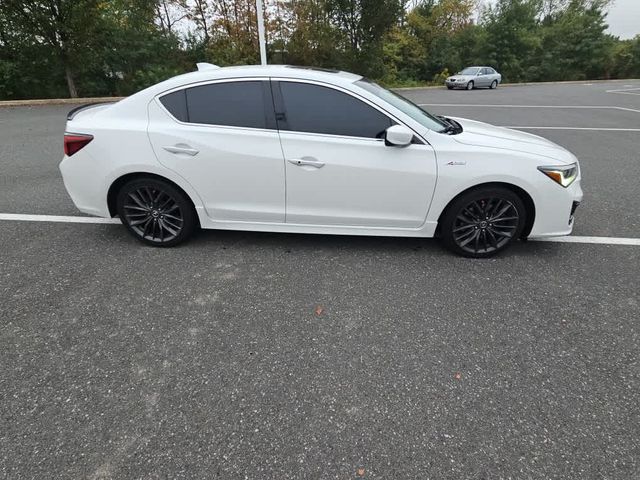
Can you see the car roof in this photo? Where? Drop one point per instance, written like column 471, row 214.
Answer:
column 211, row 72
column 208, row 72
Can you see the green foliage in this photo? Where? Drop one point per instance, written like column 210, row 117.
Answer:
column 116, row 47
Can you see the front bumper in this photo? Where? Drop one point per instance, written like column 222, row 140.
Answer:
column 556, row 209
column 455, row 84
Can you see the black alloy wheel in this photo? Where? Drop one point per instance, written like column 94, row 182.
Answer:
column 156, row 212
column 483, row 222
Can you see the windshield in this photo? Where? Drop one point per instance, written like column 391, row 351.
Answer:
column 469, row 71
column 406, row 106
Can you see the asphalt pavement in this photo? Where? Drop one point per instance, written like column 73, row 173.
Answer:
column 270, row 356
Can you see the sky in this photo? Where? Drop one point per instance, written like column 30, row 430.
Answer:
column 624, row 18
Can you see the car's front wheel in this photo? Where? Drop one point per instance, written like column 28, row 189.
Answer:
column 156, row 212
column 483, row 222
column 470, row 85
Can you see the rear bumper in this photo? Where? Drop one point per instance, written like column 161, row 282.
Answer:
column 84, row 185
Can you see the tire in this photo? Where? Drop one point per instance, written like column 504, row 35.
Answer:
column 156, row 212
column 494, row 85
column 449, row 87
column 464, row 231
column 470, row 85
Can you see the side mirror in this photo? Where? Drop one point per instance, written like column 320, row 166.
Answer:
column 478, row 74
column 398, row 136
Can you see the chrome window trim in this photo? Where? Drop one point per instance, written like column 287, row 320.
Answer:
column 276, row 130
column 354, row 95
column 210, row 82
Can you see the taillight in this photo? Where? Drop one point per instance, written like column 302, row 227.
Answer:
column 74, row 142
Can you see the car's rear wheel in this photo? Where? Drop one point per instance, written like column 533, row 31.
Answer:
column 494, row 85
column 483, row 222
column 470, row 85
column 156, row 212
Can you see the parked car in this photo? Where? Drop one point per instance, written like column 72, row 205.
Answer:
column 474, row 77
column 289, row 149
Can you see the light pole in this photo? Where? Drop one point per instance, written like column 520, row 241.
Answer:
column 261, row 40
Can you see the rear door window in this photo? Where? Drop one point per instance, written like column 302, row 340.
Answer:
column 233, row 104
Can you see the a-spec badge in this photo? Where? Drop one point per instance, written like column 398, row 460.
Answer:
column 456, row 163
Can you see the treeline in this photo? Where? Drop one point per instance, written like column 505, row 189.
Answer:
column 57, row 48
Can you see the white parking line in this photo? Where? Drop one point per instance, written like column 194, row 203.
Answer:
column 574, row 107
column 95, row 220
column 595, row 129
column 55, row 218
column 625, row 91
column 595, row 240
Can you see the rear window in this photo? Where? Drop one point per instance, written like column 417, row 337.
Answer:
column 176, row 103
column 234, row 104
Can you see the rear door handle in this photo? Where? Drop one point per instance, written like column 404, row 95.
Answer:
column 181, row 149
column 301, row 162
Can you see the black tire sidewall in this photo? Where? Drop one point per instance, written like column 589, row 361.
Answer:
column 494, row 84
column 471, row 85
column 449, row 216
column 186, row 208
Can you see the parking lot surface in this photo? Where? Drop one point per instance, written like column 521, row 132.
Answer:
column 271, row 356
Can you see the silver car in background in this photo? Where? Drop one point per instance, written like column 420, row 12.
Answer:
column 474, row 77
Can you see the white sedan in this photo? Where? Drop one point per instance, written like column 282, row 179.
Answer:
column 289, row 149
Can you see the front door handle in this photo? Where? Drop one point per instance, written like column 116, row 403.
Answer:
column 181, row 149
column 301, row 162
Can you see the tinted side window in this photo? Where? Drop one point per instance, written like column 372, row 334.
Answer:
column 176, row 103
column 317, row 109
column 237, row 104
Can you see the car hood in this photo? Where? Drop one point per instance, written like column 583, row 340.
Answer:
column 461, row 77
column 481, row 134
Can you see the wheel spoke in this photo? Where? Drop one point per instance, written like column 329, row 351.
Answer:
column 463, row 227
column 139, row 201
column 503, row 211
column 139, row 222
column 166, row 215
column 146, row 227
column 494, row 240
column 495, row 208
column 133, row 207
column 149, row 195
column 168, row 228
column 166, row 202
column 167, row 222
column 500, row 233
column 469, row 238
column 470, row 213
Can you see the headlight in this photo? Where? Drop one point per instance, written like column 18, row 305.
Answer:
column 564, row 175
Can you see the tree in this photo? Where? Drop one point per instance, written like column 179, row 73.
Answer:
column 64, row 25
column 512, row 36
column 364, row 22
